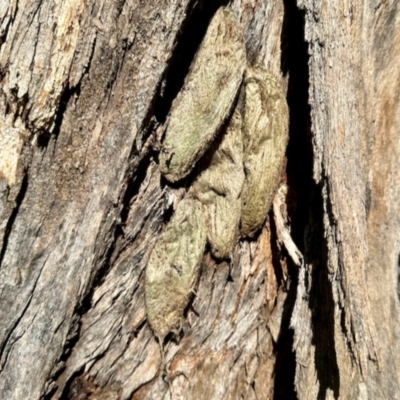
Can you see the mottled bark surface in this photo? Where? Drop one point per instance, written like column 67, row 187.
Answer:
column 84, row 87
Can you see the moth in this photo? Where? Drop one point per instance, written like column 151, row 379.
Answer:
column 265, row 137
column 219, row 187
column 207, row 96
column 173, row 267
column 243, row 143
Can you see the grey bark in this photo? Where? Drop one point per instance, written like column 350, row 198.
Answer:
column 84, row 87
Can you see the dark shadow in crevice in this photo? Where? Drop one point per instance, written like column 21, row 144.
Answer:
column 4, row 35
column 299, row 151
column 276, row 254
column 44, row 135
column 321, row 301
column 138, row 329
column 18, row 202
column 307, row 220
column 294, row 63
column 135, row 181
column 285, row 359
column 285, row 363
column 78, row 387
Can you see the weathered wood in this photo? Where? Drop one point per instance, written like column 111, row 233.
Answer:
column 84, row 87
column 347, row 294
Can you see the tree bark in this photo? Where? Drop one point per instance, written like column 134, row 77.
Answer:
column 84, row 90
column 347, row 300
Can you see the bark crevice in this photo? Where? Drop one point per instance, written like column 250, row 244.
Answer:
column 14, row 213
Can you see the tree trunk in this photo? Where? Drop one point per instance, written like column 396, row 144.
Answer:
column 346, row 312
column 85, row 89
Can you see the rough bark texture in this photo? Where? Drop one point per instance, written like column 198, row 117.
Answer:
column 347, row 306
column 84, row 87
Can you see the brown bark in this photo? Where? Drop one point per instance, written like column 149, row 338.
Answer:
column 84, row 87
